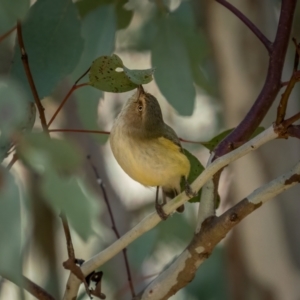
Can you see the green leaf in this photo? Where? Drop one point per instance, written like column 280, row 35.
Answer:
column 257, row 131
column 97, row 42
column 15, row 109
column 173, row 76
column 51, row 34
column 10, row 12
column 123, row 15
column 211, row 145
column 10, row 228
column 69, row 195
column 104, row 75
column 196, row 44
column 16, row 114
column 139, row 76
column 41, row 152
column 196, row 170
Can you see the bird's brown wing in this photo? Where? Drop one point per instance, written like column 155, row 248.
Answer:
column 171, row 135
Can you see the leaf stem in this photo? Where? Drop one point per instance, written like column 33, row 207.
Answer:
column 248, row 23
column 79, row 130
column 74, row 87
column 6, row 34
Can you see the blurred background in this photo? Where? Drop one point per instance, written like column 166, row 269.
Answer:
column 209, row 70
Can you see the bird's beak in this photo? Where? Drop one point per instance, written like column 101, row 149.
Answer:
column 140, row 91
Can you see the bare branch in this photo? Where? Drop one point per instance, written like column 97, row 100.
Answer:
column 114, row 228
column 153, row 219
column 36, row 290
column 248, row 23
column 281, row 109
column 272, row 83
column 182, row 271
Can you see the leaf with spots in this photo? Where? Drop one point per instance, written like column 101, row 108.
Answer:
column 109, row 74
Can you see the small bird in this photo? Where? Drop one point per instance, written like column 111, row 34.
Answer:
column 149, row 150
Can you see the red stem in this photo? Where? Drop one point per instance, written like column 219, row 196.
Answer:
column 74, row 87
column 79, row 130
column 6, row 34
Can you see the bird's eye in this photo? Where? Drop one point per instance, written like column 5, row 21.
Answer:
column 140, row 107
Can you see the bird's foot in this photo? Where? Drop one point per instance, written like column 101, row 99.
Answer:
column 188, row 190
column 160, row 211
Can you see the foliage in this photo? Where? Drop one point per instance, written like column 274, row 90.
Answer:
column 63, row 40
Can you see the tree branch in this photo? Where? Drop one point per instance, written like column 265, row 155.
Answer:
column 281, row 109
column 36, row 290
column 182, row 271
column 248, row 23
column 114, row 227
column 272, row 83
column 153, row 219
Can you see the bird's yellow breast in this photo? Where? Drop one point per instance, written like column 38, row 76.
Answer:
column 151, row 162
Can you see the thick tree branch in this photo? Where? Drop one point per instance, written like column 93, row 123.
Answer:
column 153, row 219
column 182, row 271
column 248, row 23
column 272, row 83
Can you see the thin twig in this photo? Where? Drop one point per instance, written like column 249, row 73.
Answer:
column 293, row 131
column 82, row 76
column 297, row 54
column 70, row 248
column 25, row 61
column 291, row 120
column 6, row 34
column 36, row 290
column 248, row 23
column 281, row 109
column 74, row 87
column 79, row 130
column 191, row 142
column 113, row 226
column 108, row 132
column 70, row 264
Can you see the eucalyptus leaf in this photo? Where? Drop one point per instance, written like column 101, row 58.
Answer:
column 51, row 34
column 124, row 16
column 108, row 74
column 69, row 195
column 10, row 228
column 139, row 76
column 10, row 12
column 171, row 59
column 195, row 171
column 97, row 42
column 41, row 152
column 14, row 107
